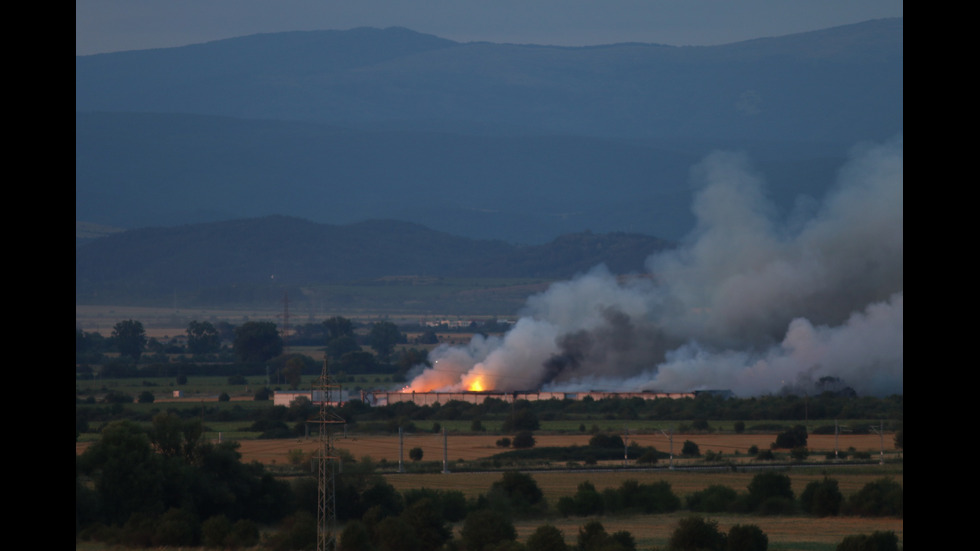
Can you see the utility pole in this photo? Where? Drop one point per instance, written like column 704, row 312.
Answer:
column 881, row 437
column 626, row 440
column 836, row 438
column 401, row 450
column 670, row 437
column 445, row 452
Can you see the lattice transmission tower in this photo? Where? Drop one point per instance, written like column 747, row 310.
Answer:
column 327, row 393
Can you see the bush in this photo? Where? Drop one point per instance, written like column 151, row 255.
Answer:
column 296, row 532
column 770, row 493
column 415, row 454
column 694, row 533
column 593, row 537
column 177, row 528
column 799, row 453
column 606, row 440
column 547, row 538
column 586, row 501
column 879, row 498
column 822, row 498
column 645, row 498
column 716, row 498
column 523, row 440
column 484, row 529
column 746, row 537
column 793, row 438
column 690, row 449
column 521, row 491
column 877, row 541
column 649, row 457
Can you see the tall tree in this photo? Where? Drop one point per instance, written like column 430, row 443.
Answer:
column 257, row 341
column 130, row 338
column 338, row 327
column 384, row 336
column 202, row 337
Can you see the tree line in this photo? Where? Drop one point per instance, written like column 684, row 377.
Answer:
column 166, row 486
column 249, row 348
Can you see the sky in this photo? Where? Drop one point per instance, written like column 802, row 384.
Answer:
column 116, row 25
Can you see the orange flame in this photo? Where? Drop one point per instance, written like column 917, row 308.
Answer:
column 476, row 385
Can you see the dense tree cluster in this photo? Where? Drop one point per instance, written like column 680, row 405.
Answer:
column 164, row 485
column 159, row 487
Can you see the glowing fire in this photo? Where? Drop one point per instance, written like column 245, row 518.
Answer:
column 476, row 385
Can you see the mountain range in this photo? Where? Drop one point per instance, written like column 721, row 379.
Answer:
column 517, row 144
column 246, row 260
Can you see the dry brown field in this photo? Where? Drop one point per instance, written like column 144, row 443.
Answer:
column 475, row 447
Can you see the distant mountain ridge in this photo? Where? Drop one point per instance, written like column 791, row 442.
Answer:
column 277, row 251
column 521, row 143
column 742, row 90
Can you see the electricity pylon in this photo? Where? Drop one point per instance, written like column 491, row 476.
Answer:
column 323, row 388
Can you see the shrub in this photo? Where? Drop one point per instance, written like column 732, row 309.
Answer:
column 215, row 530
column 593, row 537
column 793, row 438
column 649, row 457
column 769, row 492
column 415, row 454
column 746, row 537
column 606, row 440
column 822, row 498
column 523, row 440
column 690, row 449
column 877, row 541
column 177, row 528
column 297, row 531
column 882, row 497
column 694, row 533
column 547, row 538
column 586, row 501
column 484, row 529
column 520, row 489
column 646, row 498
column 716, row 498
column 765, row 455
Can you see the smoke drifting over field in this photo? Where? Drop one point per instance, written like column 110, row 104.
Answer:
column 749, row 301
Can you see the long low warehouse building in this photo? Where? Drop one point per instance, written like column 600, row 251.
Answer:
column 383, row 398
column 386, row 397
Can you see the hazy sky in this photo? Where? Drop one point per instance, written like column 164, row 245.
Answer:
column 113, row 25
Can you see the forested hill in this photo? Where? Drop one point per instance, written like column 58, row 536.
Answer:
column 278, row 251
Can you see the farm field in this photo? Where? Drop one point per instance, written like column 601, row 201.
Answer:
column 474, row 447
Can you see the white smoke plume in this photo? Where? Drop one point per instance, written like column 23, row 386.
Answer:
column 748, row 302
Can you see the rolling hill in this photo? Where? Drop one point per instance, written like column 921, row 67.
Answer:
column 254, row 260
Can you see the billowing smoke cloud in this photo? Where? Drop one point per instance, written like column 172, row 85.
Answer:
column 748, row 302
